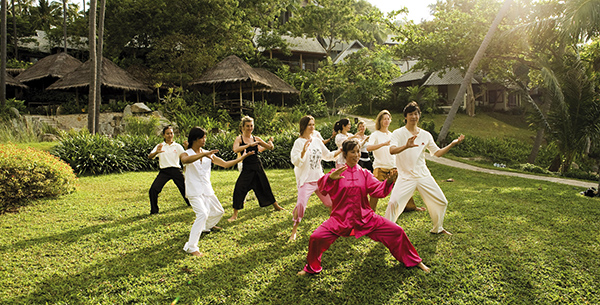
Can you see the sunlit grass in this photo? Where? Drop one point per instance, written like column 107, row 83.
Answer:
column 515, row 241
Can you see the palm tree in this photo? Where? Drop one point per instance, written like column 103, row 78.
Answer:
column 3, row 56
column 94, row 75
column 99, row 62
column 469, row 75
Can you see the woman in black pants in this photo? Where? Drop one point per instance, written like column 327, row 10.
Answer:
column 253, row 175
column 170, row 169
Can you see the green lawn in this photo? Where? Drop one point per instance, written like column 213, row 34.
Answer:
column 515, row 241
column 483, row 124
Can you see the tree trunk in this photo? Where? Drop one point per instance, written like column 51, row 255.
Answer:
column 3, row 56
column 99, row 62
column 93, row 78
column 555, row 165
column 15, row 46
column 65, row 23
column 539, row 138
column 470, row 101
column 566, row 165
column 469, row 75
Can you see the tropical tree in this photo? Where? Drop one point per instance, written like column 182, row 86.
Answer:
column 471, row 70
column 330, row 22
column 94, row 73
column 3, row 54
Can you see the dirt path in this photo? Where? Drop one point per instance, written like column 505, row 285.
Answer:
column 370, row 124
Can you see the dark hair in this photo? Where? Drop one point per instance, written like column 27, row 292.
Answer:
column 165, row 129
column 411, row 107
column 195, row 134
column 337, row 127
column 349, row 145
column 304, row 123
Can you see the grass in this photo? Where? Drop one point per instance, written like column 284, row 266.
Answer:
column 516, row 241
column 483, row 124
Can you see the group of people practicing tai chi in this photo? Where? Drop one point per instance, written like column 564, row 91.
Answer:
column 350, row 190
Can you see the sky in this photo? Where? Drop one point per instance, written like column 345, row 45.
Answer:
column 417, row 9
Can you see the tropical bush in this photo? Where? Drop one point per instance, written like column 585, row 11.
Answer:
column 141, row 126
column 27, row 174
column 528, row 167
column 100, row 154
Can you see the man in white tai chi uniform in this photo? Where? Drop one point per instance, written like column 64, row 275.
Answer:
column 408, row 143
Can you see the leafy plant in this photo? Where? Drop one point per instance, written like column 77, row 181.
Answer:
column 141, row 126
column 100, row 154
column 27, row 174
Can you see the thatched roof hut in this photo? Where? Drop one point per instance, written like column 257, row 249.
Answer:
column 112, row 77
column 276, row 84
column 53, row 66
column 231, row 74
column 11, row 81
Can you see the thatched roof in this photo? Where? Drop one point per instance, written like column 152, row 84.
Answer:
column 10, row 81
column 231, row 70
column 112, row 76
column 276, row 84
column 57, row 65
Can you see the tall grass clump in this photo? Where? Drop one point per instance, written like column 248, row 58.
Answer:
column 141, row 126
column 27, row 174
column 100, row 154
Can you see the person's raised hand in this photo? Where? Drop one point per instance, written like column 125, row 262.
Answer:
column 392, row 176
column 411, row 142
column 458, row 140
column 211, row 153
column 245, row 154
column 159, row 148
column 337, row 174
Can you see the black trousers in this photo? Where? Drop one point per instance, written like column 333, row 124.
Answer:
column 252, row 178
column 164, row 175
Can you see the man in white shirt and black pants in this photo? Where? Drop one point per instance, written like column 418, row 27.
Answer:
column 170, row 169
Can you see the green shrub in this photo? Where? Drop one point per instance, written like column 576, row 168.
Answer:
column 141, row 126
column 271, row 159
column 581, row 174
column 27, row 174
column 100, row 154
column 23, row 130
column 528, row 167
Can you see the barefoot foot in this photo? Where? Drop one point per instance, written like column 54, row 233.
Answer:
column 277, row 207
column 216, row 228
column 233, row 218
column 197, row 254
column 420, row 209
column 293, row 237
column 446, row 232
column 301, row 273
column 423, row 267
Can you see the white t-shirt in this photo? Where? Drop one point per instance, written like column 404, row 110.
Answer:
column 197, row 176
column 411, row 162
column 382, row 157
column 339, row 140
column 309, row 169
column 170, row 155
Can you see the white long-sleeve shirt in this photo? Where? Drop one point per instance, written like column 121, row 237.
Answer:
column 309, row 169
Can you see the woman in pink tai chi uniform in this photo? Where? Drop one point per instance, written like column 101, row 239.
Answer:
column 348, row 187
